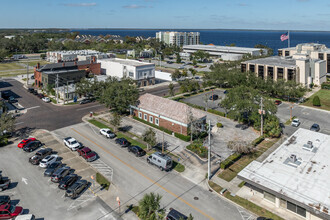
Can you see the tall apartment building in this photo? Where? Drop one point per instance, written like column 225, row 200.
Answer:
column 178, row 38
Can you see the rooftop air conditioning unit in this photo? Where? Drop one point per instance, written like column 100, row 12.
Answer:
column 293, row 158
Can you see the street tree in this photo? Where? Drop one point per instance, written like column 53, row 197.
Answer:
column 176, row 75
column 7, row 124
column 178, row 58
column 149, row 137
column 193, row 71
column 242, row 147
column 115, row 120
column 171, row 89
column 149, row 207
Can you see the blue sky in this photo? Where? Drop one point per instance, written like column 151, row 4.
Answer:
column 235, row 14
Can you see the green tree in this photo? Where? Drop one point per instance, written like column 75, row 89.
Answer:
column 193, row 71
column 149, row 207
column 7, row 123
column 316, row 101
column 190, row 217
column 115, row 120
column 149, row 137
column 194, row 62
column 176, row 75
column 3, row 54
column 171, row 89
column 178, row 58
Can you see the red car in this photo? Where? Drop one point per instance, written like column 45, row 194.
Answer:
column 87, row 153
column 10, row 211
column 25, row 141
column 278, row 102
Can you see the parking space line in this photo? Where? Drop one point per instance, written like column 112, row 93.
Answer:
column 32, row 107
column 94, row 106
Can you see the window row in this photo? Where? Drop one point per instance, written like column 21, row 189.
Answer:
column 151, row 118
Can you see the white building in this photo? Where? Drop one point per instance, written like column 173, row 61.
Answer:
column 73, row 55
column 178, row 38
column 295, row 178
column 163, row 75
column 143, row 73
column 224, row 52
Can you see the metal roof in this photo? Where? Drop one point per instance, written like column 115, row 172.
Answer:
column 274, row 61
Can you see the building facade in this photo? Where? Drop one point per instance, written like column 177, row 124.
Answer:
column 166, row 113
column 294, row 179
column 178, row 38
column 74, row 55
column 141, row 72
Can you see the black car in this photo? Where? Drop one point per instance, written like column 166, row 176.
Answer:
column 214, row 97
column 67, row 181
column 315, row 127
column 175, row 215
column 4, row 200
column 41, row 154
column 31, row 146
column 76, row 189
column 52, row 168
column 225, row 92
column 263, row 218
column 85, row 101
column 40, row 96
column 123, row 142
column 59, row 174
column 30, row 90
column 138, row 151
column 35, row 92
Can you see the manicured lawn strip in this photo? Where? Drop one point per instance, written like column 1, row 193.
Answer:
column 215, row 187
column 102, row 181
column 97, row 123
column 10, row 66
column 324, row 95
column 178, row 167
column 132, row 141
column 232, row 171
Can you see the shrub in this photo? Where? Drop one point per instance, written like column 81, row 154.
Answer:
column 316, row 101
column 216, row 112
column 198, row 148
column 325, row 85
column 182, row 137
column 230, row 160
column 152, row 125
column 258, row 140
column 3, row 141
column 219, row 125
column 102, row 181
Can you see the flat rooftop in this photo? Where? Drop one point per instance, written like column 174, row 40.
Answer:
column 306, row 180
column 224, row 49
column 274, row 61
column 127, row 62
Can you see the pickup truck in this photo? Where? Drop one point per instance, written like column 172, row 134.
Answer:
column 4, row 183
column 87, row 154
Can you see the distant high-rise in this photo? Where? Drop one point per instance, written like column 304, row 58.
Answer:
column 178, row 38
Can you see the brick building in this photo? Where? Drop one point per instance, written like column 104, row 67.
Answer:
column 166, row 113
column 67, row 72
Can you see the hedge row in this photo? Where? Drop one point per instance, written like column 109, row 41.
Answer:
column 230, row 160
column 325, row 85
column 258, row 140
column 216, row 112
column 152, row 125
column 193, row 105
column 182, row 137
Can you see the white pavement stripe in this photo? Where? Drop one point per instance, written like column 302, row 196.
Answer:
column 88, row 107
column 32, row 107
column 18, row 123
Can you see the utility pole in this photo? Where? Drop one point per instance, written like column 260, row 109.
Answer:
column 291, row 107
column 262, row 118
column 209, row 154
column 67, row 92
column 163, row 144
column 27, row 73
column 56, row 88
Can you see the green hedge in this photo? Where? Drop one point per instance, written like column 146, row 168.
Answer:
column 194, row 106
column 153, row 125
column 198, row 148
column 325, row 86
column 182, row 137
column 258, row 140
column 230, row 160
column 216, row 112
column 102, row 181
column 219, row 125
column 3, row 141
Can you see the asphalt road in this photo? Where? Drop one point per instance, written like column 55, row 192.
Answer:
column 135, row 177
column 41, row 115
column 41, row 197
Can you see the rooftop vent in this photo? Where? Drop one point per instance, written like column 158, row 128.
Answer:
column 293, row 158
column 309, row 146
column 293, row 161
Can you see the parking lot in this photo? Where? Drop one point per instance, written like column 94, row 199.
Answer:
column 41, row 197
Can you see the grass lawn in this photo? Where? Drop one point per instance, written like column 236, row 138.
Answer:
column 232, row 171
column 10, row 66
column 98, row 124
column 34, row 62
column 324, row 95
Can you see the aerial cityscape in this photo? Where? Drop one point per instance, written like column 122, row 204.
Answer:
column 161, row 110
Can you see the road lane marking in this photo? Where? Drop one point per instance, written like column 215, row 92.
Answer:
column 146, row 177
column 18, row 123
column 32, row 107
column 88, row 107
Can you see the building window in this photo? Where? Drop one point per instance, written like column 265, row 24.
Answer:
column 252, row 68
column 287, row 53
column 140, row 115
column 269, row 197
column 328, row 63
column 270, row 72
column 131, row 74
column 156, row 121
column 145, row 117
column 321, row 56
column 261, row 71
column 151, row 119
column 279, row 73
column 291, row 74
column 296, row 209
column 282, row 203
column 279, row 53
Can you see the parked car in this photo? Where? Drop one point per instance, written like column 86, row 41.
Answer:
column 26, row 217
column 85, row 101
column 164, row 162
column 71, row 143
column 52, row 168
column 59, row 174
column 214, row 97
column 225, row 92
column 4, row 183
column 277, row 102
column 12, row 99
column 46, row 99
column 30, row 90
column 40, row 96
column 67, row 181
column 10, row 211
column 295, row 122
column 175, row 215
column 4, row 200
column 76, row 189
column 44, row 163
column 138, row 151
column 87, row 154
column 31, row 146
column 123, row 142
column 315, row 127
column 25, row 141
column 263, row 218
column 107, row 132
column 35, row 92
column 41, row 154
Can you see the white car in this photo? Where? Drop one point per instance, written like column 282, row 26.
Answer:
column 107, row 132
column 46, row 99
column 71, row 143
column 48, row 160
column 295, row 122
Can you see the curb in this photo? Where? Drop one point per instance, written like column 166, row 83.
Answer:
column 308, row 107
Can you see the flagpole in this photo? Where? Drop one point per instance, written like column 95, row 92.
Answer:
column 288, row 39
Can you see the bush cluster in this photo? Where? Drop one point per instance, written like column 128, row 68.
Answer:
column 219, row 125
column 258, row 140
column 182, row 137
column 198, row 148
column 230, row 160
column 216, row 112
column 325, row 85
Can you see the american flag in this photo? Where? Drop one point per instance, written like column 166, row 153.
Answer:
column 284, row 36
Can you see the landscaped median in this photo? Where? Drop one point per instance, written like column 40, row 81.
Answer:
column 102, row 181
column 245, row 203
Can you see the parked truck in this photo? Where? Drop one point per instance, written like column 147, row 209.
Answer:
column 4, row 183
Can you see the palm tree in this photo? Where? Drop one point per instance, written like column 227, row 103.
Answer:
column 149, row 207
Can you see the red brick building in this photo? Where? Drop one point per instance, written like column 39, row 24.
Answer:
column 166, row 113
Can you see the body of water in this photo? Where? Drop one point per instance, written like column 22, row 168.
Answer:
column 241, row 38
